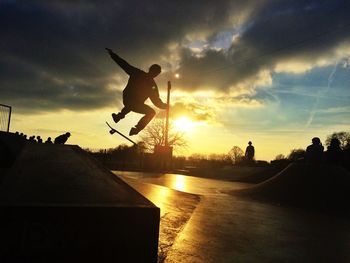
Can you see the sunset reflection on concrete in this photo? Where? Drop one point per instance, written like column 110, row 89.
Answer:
column 175, row 207
column 158, row 196
column 183, row 183
column 213, row 226
column 179, row 183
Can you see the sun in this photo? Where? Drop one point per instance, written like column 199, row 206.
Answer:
column 184, row 124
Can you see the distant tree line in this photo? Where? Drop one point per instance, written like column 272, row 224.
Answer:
column 124, row 157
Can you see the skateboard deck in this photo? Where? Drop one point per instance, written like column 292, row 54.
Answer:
column 113, row 131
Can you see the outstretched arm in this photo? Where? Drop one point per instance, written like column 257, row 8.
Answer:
column 121, row 62
column 156, row 99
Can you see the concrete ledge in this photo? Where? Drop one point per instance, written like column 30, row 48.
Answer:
column 58, row 204
column 78, row 234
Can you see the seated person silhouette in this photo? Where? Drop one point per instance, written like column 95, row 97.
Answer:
column 314, row 152
column 140, row 86
column 334, row 153
column 249, row 152
column 61, row 139
column 49, row 141
column 39, row 139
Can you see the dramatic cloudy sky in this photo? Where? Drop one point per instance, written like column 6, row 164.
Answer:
column 274, row 72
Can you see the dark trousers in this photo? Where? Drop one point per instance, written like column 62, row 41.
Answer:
column 139, row 108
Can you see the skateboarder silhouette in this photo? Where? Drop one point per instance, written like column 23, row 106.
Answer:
column 141, row 86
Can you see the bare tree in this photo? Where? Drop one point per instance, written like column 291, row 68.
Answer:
column 154, row 134
column 296, row 154
column 280, row 157
column 219, row 157
column 236, row 154
column 343, row 137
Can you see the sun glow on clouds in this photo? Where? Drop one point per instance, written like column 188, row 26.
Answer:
column 184, row 124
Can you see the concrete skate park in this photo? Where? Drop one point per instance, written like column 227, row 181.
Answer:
column 60, row 205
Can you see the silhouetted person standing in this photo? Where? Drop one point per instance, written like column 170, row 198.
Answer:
column 61, row 139
column 141, row 86
column 250, row 152
column 314, row 152
column 334, row 153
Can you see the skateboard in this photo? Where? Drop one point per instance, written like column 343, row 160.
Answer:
column 113, row 131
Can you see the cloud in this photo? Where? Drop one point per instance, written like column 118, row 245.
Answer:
column 33, row 89
column 199, row 112
column 335, row 110
column 279, row 36
column 207, row 108
column 46, row 41
column 52, row 52
column 195, row 111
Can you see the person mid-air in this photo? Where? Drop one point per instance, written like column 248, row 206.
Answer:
column 141, row 86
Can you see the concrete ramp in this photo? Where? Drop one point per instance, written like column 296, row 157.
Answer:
column 322, row 187
column 10, row 147
column 58, row 204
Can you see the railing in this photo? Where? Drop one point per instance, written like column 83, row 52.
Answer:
column 5, row 117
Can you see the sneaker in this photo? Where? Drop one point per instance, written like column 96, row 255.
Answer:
column 133, row 131
column 116, row 117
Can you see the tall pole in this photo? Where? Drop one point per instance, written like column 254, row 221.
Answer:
column 167, row 115
column 9, row 120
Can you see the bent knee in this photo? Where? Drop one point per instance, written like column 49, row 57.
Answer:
column 151, row 113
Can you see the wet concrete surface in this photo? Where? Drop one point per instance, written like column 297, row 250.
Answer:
column 187, row 184
column 228, row 228
column 176, row 209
